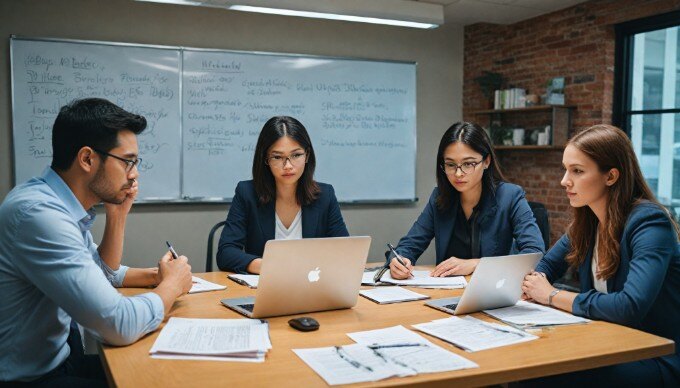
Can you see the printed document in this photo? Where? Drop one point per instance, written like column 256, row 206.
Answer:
column 424, row 280
column 472, row 334
column 202, row 285
column 527, row 314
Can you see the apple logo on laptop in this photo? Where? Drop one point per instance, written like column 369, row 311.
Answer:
column 500, row 283
column 313, row 275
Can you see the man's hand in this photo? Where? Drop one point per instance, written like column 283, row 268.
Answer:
column 122, row 210
column 175, row 273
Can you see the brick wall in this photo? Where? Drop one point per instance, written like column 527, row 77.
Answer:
column 576, row 43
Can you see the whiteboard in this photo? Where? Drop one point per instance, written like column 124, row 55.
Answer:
column 49, row 74
column 360, row 116
column 205, row 110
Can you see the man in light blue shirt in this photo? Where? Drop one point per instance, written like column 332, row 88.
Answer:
column 51, row 271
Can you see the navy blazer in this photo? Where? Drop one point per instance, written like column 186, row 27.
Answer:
column 644, row 293
column 506, row 224
column 250, row 225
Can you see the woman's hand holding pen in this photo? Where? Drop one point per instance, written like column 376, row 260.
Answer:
column 399, row 270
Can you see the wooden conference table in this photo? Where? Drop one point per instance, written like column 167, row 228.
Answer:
column 559, row 350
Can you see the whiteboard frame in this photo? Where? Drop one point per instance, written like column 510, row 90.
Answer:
column 182, row 199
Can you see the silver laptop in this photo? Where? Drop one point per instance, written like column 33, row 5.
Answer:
column 496, row 283
column 300, row 276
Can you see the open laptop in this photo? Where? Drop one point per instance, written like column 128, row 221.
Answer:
column 496, row 283
column 300, row 276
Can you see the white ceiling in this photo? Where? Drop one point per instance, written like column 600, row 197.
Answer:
column 498, row 11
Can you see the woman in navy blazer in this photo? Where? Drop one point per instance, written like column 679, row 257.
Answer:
column 472, row 212
column 282, row 201
column 624, row 246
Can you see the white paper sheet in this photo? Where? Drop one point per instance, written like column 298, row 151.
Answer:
column 473, row 334
column 209, row 338
column 202, row 285
column 423, row 279
column 532, row 314
column 385, row 295
column 394, row 334
column 246, row 280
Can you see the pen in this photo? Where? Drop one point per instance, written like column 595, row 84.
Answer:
column 172, row 250
column 406, row 345
column 398, row 256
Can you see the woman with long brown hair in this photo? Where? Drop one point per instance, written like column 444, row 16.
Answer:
column 623, row 246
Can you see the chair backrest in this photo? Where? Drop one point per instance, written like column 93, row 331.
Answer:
column 541, row 215
column 211, row 238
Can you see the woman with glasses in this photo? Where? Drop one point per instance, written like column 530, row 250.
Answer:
column 282, row 201
column 472, row 213
column 624, row 246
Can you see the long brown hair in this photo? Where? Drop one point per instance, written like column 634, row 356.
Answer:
column 610, row 148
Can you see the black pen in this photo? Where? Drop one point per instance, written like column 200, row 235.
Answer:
column 399, row 258
column 172, row 250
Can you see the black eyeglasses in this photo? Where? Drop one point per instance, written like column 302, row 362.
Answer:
column 131, row 163
column 451, row 168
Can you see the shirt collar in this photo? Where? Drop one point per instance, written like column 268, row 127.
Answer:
column 84, row 218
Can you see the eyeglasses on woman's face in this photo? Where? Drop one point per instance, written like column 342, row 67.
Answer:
column 296, row 159
column 451, row 168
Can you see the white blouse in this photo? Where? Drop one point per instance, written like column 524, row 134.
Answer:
column 600, row 284
column 293, row 232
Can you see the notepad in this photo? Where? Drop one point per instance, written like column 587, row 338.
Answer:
column 424, row 280
column 386, row 295
column 527, row 314
column 246, row 280
column 202, row 285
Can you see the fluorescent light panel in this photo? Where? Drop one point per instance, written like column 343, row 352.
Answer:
column 331, row 16
column 403, row 13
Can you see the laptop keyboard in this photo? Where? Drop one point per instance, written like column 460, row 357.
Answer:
column 451, row 306
column 248, row 307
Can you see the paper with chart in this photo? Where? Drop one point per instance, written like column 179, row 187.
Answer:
column 379, row 354
column 246, row 280
column 424, row 280
column 472, row 334
column 532, row 314
column 386, row 295
column 193, row 338
column 202, row 285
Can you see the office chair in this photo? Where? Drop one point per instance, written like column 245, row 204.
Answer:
column 211, row 237
column 541, row 215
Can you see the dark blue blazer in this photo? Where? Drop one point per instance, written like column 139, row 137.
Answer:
column 250, row 225
column 506, row 225
column 645, row 291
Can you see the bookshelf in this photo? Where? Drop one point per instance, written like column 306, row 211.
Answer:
column 557, row 116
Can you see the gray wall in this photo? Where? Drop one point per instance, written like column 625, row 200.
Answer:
column 438, row 52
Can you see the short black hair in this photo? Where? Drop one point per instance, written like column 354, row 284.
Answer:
column 265, row 185
column 89, row 122
column 476, row 138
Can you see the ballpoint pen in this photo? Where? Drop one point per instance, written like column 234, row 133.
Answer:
column 399, row 258
column 172, row 250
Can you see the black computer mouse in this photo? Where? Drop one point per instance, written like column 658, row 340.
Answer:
column 304, row 324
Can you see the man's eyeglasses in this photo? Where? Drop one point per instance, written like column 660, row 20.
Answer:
column 130, row 163
column 451, row 168
column 279, row 161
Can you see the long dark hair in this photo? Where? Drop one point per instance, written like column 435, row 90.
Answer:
column 265, row 185
column 476, row 138
column 610, row 148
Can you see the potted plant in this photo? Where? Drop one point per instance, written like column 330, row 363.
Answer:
column 489, row 82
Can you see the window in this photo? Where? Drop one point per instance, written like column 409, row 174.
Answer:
column 647, row 99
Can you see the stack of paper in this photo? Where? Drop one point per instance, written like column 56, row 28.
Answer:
column 213, row 339
column 472, row 334
column 424, row 280
column 202, row 285
column 391, row 295
column 380, row 354
column 527, row 314
column 246, row 280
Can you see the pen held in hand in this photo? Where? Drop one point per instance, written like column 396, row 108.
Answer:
column 172, row 250
column 399, row 259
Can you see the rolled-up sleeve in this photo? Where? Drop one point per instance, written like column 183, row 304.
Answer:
column 60, row 264
column 115, row 277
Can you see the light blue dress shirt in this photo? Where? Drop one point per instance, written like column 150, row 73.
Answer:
column 50, row 271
